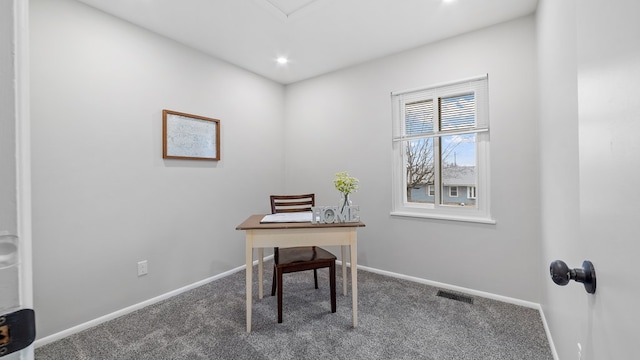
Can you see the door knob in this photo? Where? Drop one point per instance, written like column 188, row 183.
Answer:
column 561, row 274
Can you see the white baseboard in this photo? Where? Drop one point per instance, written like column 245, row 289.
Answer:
column 548, row 332
column 473, row 292
column 460, row 289
column 132, row 308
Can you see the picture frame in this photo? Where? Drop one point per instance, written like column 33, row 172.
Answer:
column 188, row 136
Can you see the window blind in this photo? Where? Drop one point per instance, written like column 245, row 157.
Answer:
column 462, row 108
column 419, row 117
column 458, row 113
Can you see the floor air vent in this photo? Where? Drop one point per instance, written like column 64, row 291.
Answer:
column 452, row 296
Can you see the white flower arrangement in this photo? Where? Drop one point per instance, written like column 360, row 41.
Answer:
column 345, row 184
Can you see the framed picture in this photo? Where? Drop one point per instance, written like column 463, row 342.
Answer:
column 186, row 136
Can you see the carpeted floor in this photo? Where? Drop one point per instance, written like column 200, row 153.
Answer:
column 398, row 319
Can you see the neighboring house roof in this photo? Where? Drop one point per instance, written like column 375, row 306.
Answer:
column 459, row 176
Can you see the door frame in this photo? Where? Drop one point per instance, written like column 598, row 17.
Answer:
column 23, row 160
column 23, row 150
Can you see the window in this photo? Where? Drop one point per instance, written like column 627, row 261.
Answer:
column 471, row 192
column 431, row 191
column 440, row 148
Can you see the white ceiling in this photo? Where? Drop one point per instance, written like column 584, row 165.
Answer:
column 318, row 36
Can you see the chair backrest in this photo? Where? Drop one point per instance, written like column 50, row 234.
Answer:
column 292, row 203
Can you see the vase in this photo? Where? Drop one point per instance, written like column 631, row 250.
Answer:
column 345, row 200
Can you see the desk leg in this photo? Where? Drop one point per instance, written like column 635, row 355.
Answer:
column 249, row 271
column 354, row 275
column 260, row 257
column 344, row 269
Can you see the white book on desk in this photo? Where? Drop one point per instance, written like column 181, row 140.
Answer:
column 287, row 217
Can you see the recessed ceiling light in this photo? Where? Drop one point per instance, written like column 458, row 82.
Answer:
column 282, row 60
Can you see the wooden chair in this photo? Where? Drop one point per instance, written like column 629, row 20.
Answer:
column 294, row 259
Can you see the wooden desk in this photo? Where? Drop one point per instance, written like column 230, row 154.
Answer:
column 299, row 234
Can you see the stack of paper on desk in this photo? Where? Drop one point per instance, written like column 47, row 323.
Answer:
column 287, row 217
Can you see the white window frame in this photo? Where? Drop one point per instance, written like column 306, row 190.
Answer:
column 400, row 207
column 451, row 191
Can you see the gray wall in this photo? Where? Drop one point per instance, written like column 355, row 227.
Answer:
column 103, row 197
column 342, row 122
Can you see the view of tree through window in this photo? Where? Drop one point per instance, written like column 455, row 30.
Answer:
column 452, row 157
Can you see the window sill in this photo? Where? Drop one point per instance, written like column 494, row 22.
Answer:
column 481, row 220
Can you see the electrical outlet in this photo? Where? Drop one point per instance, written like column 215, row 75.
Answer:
column 142, row 268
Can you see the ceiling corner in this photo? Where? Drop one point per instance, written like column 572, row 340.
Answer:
column 289, row 9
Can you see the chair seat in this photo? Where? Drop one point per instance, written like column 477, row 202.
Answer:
column 304, row 254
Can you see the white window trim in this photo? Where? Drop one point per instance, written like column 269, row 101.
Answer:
column 451, row 192
column 479, row 213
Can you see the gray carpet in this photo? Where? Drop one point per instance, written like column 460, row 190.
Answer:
column 398, row 319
